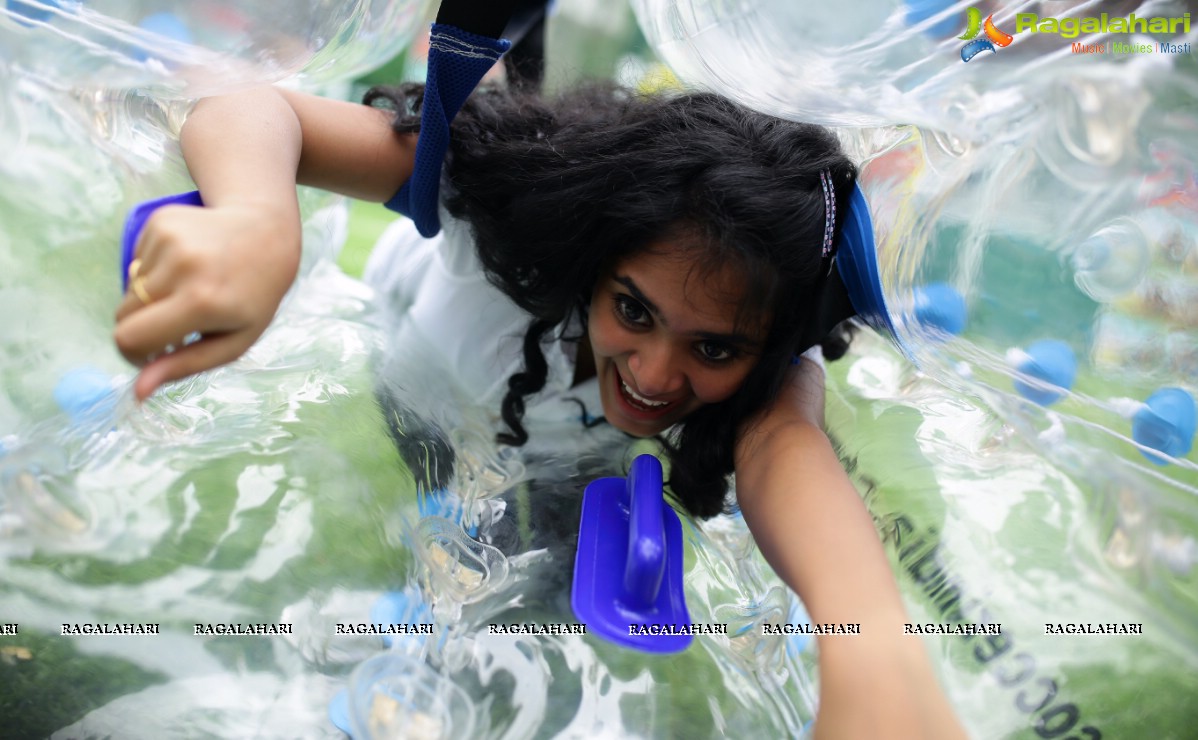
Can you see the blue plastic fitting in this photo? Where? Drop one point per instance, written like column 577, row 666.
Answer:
column 165, row 24
column 28, row 10
column 919, row 11
column 1052, row 362
column 83, row 391
column 136, row 221
column 1166, row 422
column 401, row 607
column 940, row 306
column 339, row 712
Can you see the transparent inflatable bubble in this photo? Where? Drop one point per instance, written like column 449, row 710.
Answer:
column 1046, row 238
column 1035, row 206
column 1112, row 262
column 397, row 696
column 94, row 94
column 1039, row 250
column 199, row 48
column 879, row 61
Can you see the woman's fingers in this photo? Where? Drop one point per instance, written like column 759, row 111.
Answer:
column 207, row 353
column 148, row 280
column 171, row 286
column 161, row 325
column 146, row 288
column 219, row 272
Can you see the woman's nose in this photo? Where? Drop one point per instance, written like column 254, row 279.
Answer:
column 654, row 372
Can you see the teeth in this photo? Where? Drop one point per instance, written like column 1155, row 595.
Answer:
column 641, row 399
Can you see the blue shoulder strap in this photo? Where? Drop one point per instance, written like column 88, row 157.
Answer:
column 853, row 285
column 457, row 60
column 464, row 44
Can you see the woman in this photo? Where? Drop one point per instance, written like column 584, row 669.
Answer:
column 683, row 240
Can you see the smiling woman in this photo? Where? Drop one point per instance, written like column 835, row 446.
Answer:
column 679, row 245
column 663, row 352
column 718, row 215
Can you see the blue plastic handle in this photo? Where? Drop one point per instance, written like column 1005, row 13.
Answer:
column 628, row 565
column 136, row 221
column 646, row 564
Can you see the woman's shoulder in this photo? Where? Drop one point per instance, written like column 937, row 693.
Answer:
column 437, row 288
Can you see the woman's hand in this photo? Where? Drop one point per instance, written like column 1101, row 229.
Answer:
column 221, row 271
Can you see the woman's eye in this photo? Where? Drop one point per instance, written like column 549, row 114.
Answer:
column 630, row 311
column 713, row 352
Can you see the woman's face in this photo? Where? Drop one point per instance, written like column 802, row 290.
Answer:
column 664, row 337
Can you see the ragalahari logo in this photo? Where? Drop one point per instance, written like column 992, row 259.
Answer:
column 994, row 36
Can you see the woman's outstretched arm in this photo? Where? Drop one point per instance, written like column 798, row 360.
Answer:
column 814, row 530
column 223, row 270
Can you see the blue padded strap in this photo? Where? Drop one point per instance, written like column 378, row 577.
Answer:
column 457, row 60
column 857, row 263
column 853, row 285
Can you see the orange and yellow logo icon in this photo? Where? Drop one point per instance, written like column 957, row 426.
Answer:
column 994, row 36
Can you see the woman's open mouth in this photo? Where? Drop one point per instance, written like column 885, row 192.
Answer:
column 636, row 405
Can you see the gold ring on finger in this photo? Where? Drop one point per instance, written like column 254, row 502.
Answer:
column 137, row 284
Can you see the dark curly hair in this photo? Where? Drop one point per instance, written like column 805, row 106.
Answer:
column 557, row 190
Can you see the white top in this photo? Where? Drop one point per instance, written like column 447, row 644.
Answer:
column 437, row 285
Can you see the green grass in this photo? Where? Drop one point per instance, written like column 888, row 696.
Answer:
column 366, row 222
column 57, row 684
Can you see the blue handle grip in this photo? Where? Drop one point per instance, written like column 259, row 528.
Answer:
column 646, row 564
column 136, row 221
column 628, row 564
